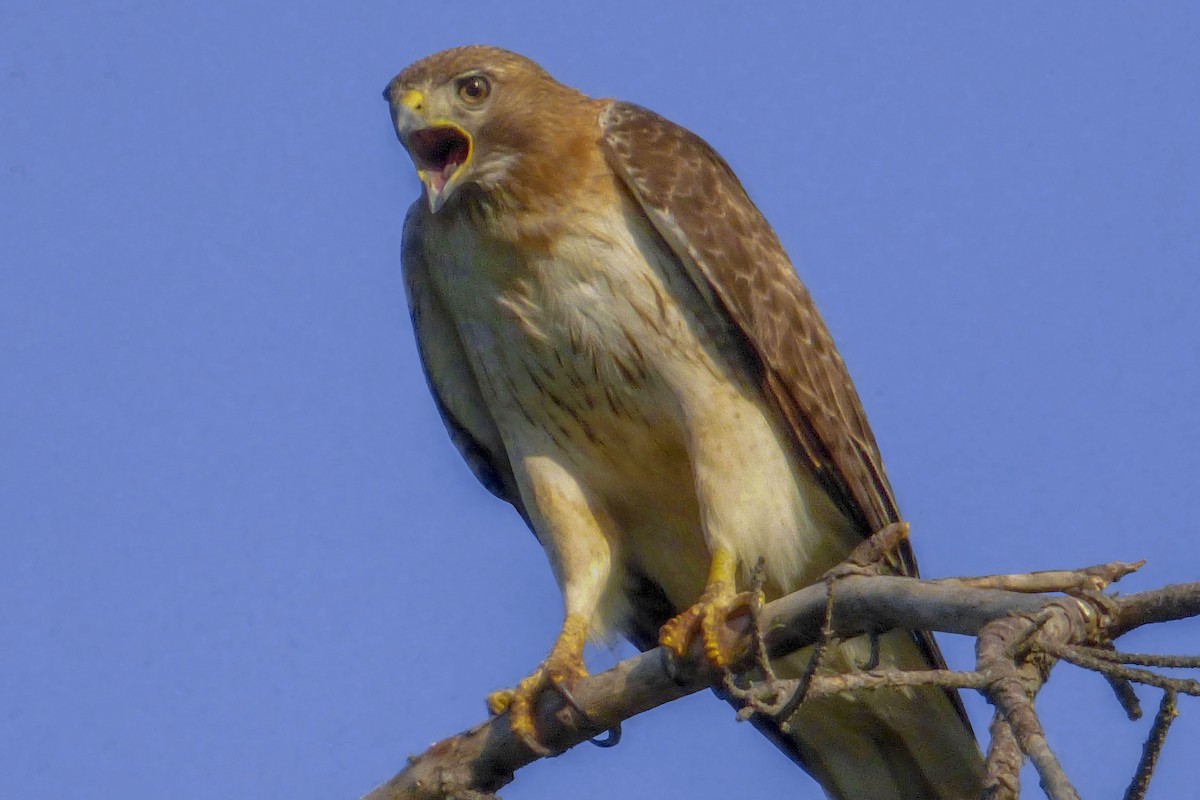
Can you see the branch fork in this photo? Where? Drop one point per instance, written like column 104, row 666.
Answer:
column 1022, row 634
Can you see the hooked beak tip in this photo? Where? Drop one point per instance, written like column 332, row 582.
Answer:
column 435, row 197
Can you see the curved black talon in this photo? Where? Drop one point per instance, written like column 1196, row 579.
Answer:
column 612, row 737
column 569, row 698
column 613, row 734
column 872, row 661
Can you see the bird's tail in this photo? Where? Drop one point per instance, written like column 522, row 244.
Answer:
column 906, row 743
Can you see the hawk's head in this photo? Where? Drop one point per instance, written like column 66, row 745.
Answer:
column 476, row 115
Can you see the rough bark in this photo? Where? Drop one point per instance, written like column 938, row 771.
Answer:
column 1021, row 630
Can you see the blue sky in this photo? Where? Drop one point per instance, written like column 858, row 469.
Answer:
column 240, row 557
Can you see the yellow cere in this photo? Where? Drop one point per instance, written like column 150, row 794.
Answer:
column 412, row 99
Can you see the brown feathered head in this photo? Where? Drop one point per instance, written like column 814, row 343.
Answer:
column 477, row 115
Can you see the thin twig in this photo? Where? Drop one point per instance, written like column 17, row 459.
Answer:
column 1153, row 747
column 815, row 660
column 1126, row 696
column 483, row 758
column 763, row 692
column 1096, row 578
column 1087, row 661
column 823, row 685
column 831, row 684
column 1178, row 601
column 1140, row 659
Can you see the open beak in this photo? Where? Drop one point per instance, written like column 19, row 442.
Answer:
column 441, row 153
column 440, row 149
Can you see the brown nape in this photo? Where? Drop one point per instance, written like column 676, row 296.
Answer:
column 555, row 129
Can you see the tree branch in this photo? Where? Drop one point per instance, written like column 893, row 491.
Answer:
column 1021, row 636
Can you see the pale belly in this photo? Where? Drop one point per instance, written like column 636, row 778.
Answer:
column 619, row 370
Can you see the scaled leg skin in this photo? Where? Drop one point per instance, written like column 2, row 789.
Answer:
column 706, row 619
column 572, row 530
column 561, row 668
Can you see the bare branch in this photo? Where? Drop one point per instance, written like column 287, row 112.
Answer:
column 1021, row 636
column 1014, row 684
column 1002, row 780
column 1140, row 659
column 1153, row 746
column 1095, row 578
column 1079, row 658
column 1178, row 601
column 881, row 678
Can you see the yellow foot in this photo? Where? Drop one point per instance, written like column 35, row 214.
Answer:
column 706, row 621
column 562, row 667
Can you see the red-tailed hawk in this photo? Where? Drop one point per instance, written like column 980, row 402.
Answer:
column 620, row 348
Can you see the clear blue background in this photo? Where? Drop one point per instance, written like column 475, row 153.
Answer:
column 238, row 555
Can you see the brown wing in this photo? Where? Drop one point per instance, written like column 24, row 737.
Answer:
column 451, row 382
column 699, row 207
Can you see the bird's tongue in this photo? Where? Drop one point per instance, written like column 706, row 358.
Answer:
column 439, row 152
column 438, row 178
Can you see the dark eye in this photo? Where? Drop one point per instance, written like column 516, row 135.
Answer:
column 474, row 89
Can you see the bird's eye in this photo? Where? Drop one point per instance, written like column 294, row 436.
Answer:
column 474, row 89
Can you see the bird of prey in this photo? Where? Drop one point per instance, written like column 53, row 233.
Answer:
column 620, row 348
